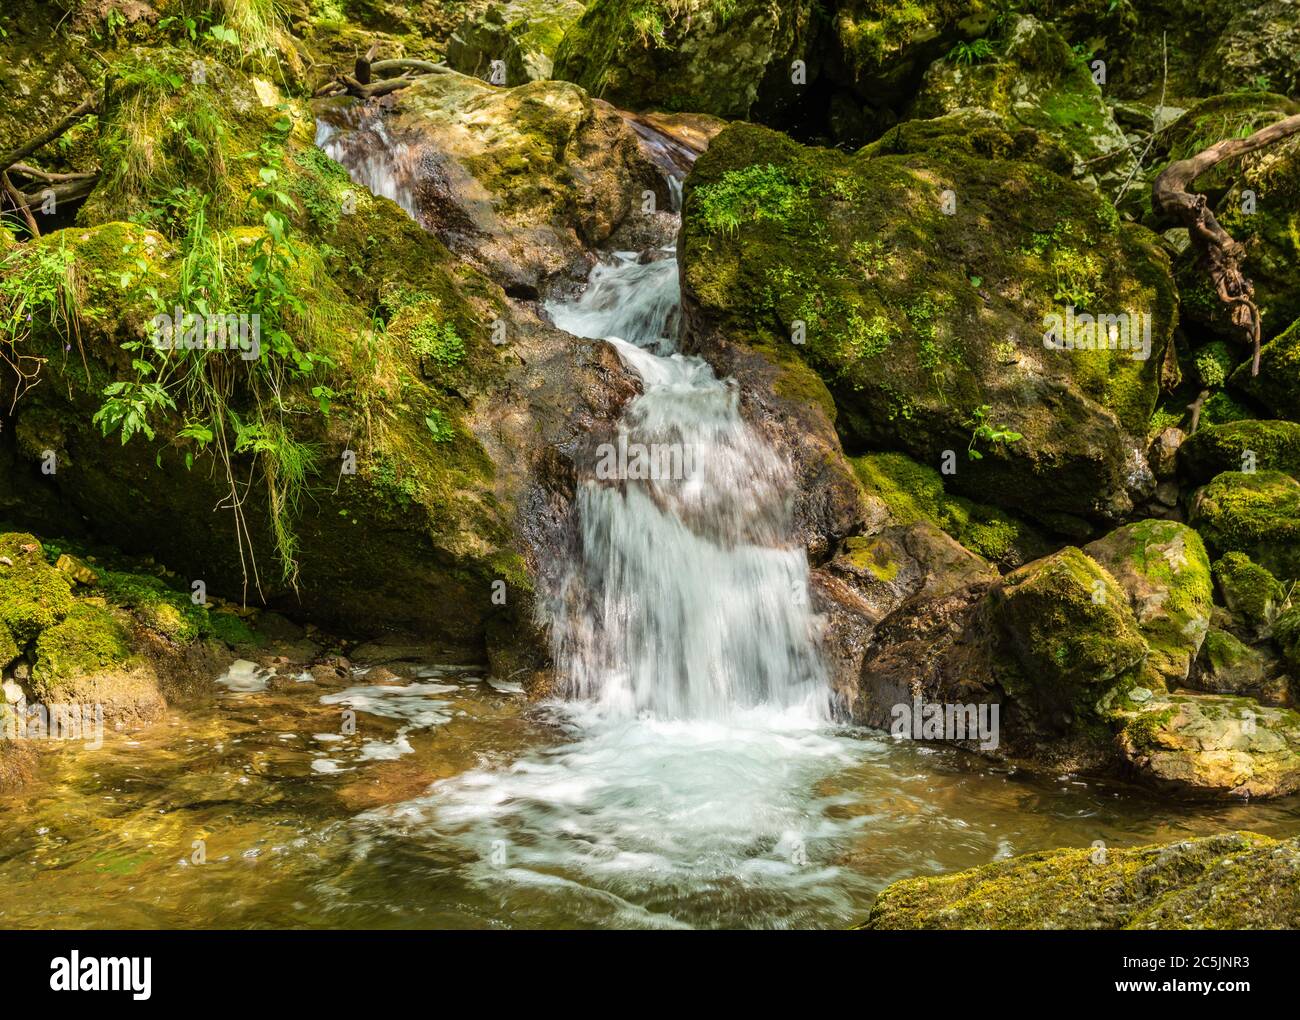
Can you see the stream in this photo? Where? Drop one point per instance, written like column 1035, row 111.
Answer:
column 692, row 776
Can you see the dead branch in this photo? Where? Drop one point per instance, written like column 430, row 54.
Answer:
column 1219, row 255
column 20, row 203
column 1196, row 406
column 88, row 105
column 40, row 175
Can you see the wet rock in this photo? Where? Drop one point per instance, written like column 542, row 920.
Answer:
column 525, row 180
column 1231, row 881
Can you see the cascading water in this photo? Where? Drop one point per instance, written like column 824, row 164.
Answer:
column 689, row 600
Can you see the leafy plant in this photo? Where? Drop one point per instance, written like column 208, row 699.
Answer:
column 974, row 51
column 983, row 430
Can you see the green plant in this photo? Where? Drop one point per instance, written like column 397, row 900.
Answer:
column 758, row 192
column 982, row 429
column 973, row 52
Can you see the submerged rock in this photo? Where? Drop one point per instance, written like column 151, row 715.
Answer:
column 1231, row 881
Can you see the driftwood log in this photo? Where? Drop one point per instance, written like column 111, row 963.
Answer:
column 1218, row 253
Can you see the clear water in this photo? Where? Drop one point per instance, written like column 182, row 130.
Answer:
column 693, row 776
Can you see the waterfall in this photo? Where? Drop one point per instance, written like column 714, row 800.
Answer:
column 689, row 598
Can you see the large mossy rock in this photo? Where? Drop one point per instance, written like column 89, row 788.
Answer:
column 1163, row 567
column 522, row 34
column 1035, row 76
column 33, row 595
column 1253, row 513
column 1238, row 445
column 522, row 179
column 703, row 56
column 922, row 331
column 1226, row 665
column 1214, row 746
column 1231, row 881
column 1252, row 594
column 1069, row 637
column 463, row 446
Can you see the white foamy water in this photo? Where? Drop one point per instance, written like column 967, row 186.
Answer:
column 696, row 726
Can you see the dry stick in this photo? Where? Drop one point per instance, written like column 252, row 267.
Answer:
column 67, row 191
column 1195, row 407
column 87, row 105
column 49, row 178
column 1164, row 80
column 1220, row 255
column 20, row 202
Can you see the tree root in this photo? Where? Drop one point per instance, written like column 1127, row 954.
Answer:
column 1217, row 252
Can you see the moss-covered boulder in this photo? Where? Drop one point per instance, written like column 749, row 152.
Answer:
column 1209, row 745
column 914, row 492
column 705, row 56
column 1232, row 881
column 385, row 485
column 1226, row 665
column 1069, row 637
column 33, row 595
column 522, row 34
column 1277, row 386
column 1027, row 71
column 1240, row 446
column 1253, row 596
column 931, row 341
column 1163, row 567
column 1253, row 513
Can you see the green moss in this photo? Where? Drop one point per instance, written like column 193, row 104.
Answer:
column 157, row 605
column 1232, row 881
column 88, row 640
column 1277, row 386
column 1251, row 593
column 1257, row 514
column 914, row 492
column 33, row 595
column 1213, row 449
column 1068, row 626
column 907, row 346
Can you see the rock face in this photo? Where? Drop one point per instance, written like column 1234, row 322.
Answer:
column 929, row 340
column 522, row 35
column 1235, row 880
column 698, row 56
column 524, row 180
column 1240, row 446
